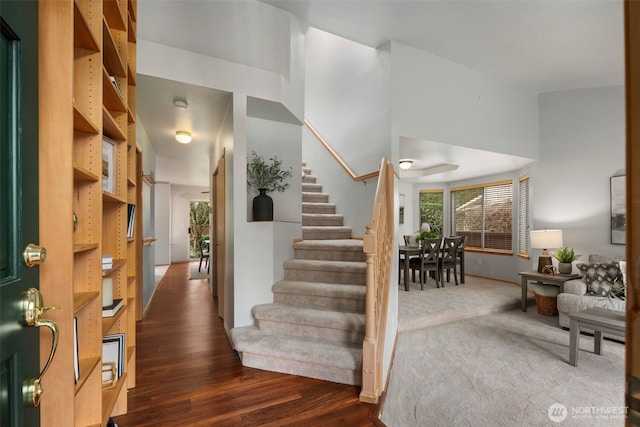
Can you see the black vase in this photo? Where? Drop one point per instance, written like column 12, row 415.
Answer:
column 262, row 206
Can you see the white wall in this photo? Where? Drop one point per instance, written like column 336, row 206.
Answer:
column 163, row 223
column 148, row 213
column 434, row 99
column 282, row 141
column 347, row 101
column 582, row 144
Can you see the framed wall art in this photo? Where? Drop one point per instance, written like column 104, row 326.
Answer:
column 109, row 166
column 401, row 212
column 618, row 210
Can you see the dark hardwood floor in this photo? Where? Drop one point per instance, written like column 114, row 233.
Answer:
column 188, row 374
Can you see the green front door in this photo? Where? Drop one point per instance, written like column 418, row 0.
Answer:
column 19, row 349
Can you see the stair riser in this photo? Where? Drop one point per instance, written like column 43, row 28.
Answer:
column 325, row 276
column 306, row 170
column 321, row 302
column 328, row 221
column 315, row 197
column 325, row 235
column 328, row 255
column 309, row 179
column 321, row 208
column 311, row 188
column 313, row 332
column 310, row 370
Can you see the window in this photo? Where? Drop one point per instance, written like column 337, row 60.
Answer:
column 431, row 204
column 523, row 216
column 483, row 214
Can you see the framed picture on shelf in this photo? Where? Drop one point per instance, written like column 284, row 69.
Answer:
column 108, row 165
column 618, row 210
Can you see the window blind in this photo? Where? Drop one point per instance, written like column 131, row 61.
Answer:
column 483, row 214
column 523, row 215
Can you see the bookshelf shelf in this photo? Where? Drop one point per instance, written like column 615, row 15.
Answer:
column 82, row 44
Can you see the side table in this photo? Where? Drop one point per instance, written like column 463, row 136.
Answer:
column 551, row 279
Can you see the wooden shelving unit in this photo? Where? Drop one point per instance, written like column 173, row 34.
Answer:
column 100, row 37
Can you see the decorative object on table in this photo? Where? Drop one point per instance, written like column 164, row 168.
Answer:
column 618, row 210
column 425, row 235
column 266, row 176
column 565, row 257
column 545, row 239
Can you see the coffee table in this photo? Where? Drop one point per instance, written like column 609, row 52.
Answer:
column 551, row 279
column 599, row 320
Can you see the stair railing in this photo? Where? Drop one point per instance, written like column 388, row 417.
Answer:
column 337, row 158
column 378, row 248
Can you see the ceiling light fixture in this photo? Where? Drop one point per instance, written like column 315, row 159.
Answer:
column 405, row 164
column 180, row 103
column 183, row 137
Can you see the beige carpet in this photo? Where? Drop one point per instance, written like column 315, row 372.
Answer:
column 500, row 369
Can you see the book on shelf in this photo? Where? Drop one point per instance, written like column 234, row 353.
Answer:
column 76, row 358
column 111, row 310
column 107, row 262
column 131, row 211
column 113, row 351
column 116, row 85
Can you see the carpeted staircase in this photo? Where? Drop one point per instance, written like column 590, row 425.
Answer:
column 315, row 325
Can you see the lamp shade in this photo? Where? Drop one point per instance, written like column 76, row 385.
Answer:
column 546, row 239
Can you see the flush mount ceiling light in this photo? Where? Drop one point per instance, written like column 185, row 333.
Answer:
column 180, row 103
column 183, row 137
column 405, row 164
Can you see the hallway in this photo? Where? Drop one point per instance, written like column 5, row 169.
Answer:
column 188, row 374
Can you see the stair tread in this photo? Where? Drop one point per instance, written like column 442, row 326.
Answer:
column 321, row 215
column 335, row 290
column 340, row 355
column 335, row 244
column 327, row 228
column 309, row 316
column 327, row 265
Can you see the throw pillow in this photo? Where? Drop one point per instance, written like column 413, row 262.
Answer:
column 603, row 278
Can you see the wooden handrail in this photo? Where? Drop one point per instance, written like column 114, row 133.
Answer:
column 335, row 155
column 378, row 247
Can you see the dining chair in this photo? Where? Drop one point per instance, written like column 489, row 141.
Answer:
column 460, row 257
column 427, row 262
column 449, row 258
column 204, row 255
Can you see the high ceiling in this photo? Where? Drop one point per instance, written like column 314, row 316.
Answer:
column 542, row 45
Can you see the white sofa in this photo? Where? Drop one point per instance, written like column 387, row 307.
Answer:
column 574, row 296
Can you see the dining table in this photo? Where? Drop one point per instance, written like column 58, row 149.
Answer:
column 413, row 251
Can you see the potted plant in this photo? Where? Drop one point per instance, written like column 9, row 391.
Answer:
column 425, row 235
column 565, row 257
column 266, row 176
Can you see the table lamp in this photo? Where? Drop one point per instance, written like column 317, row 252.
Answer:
column 545, row 239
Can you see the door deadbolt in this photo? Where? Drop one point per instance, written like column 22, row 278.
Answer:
column 34, row 255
